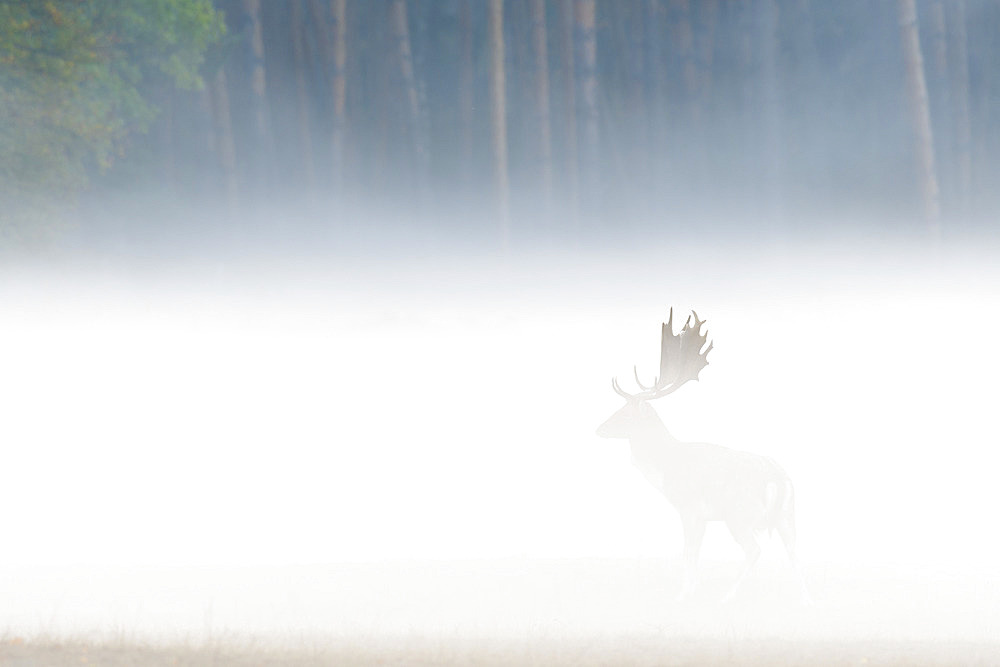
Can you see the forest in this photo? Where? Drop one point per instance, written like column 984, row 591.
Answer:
column 500, row 121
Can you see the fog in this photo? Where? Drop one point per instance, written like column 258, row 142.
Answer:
column 283, row 448
column 309, row 314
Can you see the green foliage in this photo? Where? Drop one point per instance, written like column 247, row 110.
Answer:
column 76, row 79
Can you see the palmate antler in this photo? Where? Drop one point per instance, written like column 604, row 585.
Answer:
column 681, row 359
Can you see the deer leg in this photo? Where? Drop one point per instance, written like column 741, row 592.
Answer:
column 786, row 528
column 743, row 534
column 694, row 531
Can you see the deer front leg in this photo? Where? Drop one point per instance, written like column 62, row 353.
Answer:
column 743, row 534
column 694, row 531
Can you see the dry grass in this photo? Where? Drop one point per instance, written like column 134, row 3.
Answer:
column 572, row 613
column 631, row 650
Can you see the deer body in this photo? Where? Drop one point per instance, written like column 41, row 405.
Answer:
column 704, row 482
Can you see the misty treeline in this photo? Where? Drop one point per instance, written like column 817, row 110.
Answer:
column 508, row 118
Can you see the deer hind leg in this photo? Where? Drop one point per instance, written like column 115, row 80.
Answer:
column 786, row 528
column 694, row 531
column 743, row 534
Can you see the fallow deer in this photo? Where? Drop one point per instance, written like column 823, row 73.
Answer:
column 704, row 482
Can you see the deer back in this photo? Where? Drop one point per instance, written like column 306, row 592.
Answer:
column 709, row 481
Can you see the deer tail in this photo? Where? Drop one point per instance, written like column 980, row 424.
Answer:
column 779, row 501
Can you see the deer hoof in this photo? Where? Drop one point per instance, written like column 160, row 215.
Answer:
column 729, row 597
column 687, row 592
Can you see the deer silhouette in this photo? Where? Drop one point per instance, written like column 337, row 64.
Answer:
column 751, row 494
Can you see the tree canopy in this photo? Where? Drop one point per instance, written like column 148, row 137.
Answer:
column 76, row 80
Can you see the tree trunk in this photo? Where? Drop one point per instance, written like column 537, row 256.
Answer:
column 635, row 46
column 960, row 108
column 704, row 54
column 400, row 30
column 225, row 147
column 339, row 86
column 570, row 147
column 539, row 43
column 686, row 117
column 332, row 32
column 920, row 116
column 636, row 112
column 705, row 20
column 302, row 96
column 586, row 38
column 466, row 91
column 748, row 117
column 772, row 116
column 940, row 99
column 682, row 36
column 254, row 40
column 656, row 116
column 498, row 116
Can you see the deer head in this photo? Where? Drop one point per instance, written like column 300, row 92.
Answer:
column 681, row 359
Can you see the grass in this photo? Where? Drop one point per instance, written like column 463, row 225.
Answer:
column 526, row 612
column 640, row 649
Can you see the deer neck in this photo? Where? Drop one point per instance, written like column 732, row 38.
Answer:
column 654, row 453
column 651, row 438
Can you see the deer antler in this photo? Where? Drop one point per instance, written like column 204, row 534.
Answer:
column 621, row 392
column 635, row 373
column 681, row 359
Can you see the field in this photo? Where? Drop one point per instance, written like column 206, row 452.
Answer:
column 503, row 612
column 424, row 447
column 631, row 650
